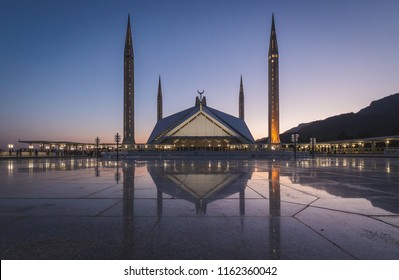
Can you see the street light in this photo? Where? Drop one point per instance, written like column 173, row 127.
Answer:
column 10, row 147
column 117, row 139
column 294, row 138
column 30, row 149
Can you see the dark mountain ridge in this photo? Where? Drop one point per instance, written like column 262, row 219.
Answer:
column 380, row 118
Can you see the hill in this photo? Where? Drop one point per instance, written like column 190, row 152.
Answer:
column 380, row 118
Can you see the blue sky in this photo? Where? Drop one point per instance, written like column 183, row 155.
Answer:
column 61, row 62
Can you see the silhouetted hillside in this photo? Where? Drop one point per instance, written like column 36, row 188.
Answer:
column 381, row 118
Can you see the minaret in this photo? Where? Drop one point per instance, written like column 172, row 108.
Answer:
column 128, row 89
column 241, row 102
column 159, row 100
column 274, row 119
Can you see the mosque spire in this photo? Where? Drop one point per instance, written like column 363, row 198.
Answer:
column 128, row 39
column 159, row 100
column 241, row 101
column 273, row 48
column 128, row 89
column 274, row 116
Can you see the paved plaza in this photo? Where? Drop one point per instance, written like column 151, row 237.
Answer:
column 322, row 208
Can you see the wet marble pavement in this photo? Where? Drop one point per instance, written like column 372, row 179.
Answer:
column 323, row 208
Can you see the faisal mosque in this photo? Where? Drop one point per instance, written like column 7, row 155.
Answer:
column 200, row 126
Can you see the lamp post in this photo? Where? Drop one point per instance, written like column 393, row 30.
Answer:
column 30, row 149
column 117, row 139
column 313, row 143
column 10, row 147
column 97, row 141
column 294, row 139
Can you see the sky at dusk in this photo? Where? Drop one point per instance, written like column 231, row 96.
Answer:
column 61, row 62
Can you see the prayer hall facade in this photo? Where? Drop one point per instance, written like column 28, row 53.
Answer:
column 200, row 127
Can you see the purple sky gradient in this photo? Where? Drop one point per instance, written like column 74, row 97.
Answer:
column 61, row 62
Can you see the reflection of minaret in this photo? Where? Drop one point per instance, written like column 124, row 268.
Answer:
column 241, row 101
column 159, row 100
column 128, row 89
column 159, row 202
column 242, row 201
column 274, row 119
column 275, row 211
column 128, row 209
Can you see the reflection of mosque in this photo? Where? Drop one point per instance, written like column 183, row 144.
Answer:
column 201, row 184
column 207, row 182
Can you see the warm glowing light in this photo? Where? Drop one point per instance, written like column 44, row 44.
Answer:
column 10, row 167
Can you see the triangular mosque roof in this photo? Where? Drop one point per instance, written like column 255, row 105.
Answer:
column 169, row 122
column 166, row 124
column 235, row 123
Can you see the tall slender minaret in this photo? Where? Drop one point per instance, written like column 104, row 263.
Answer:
column 159, row 100
column 274, row 119
column 241, row 102
column 128, row 89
